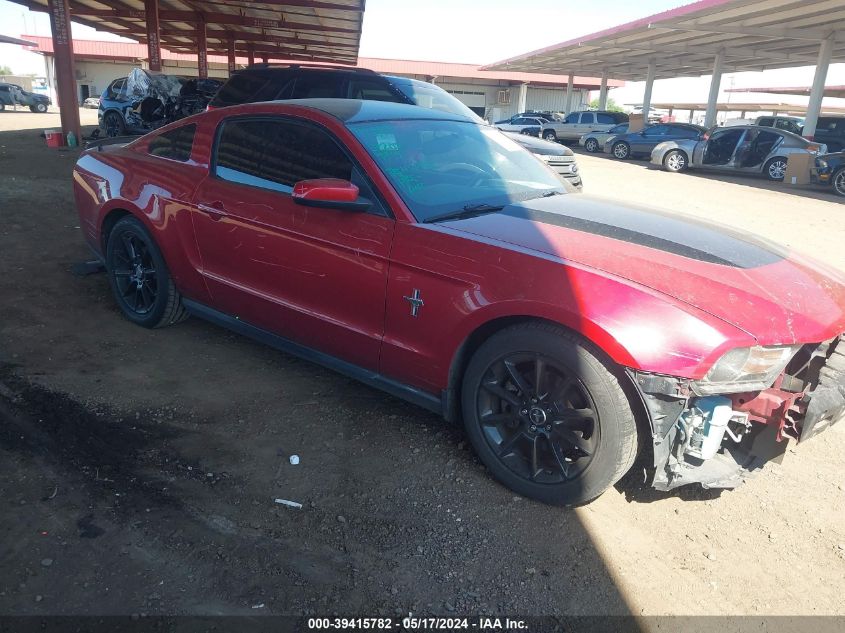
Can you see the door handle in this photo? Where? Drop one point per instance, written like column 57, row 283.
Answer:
column 212, row 210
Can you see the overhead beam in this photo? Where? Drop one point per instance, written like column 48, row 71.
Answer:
column 810, row 35
column 257, row 37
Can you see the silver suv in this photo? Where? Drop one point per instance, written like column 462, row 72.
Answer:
column 576, row 124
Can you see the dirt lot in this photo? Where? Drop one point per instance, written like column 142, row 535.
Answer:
column 138, row 469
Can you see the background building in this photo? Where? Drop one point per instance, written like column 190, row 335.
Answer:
column 492, row 94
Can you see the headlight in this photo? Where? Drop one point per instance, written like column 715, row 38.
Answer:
column 746, row 369
column 821, row 164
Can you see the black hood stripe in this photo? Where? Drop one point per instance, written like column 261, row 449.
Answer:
column 672, row 234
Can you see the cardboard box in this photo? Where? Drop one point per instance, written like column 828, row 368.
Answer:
column 798, row 169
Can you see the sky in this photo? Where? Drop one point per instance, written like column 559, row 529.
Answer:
column 470, row 31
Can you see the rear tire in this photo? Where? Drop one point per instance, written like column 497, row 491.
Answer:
column 675, row 161
column 621, row 150
column 775, row 168
column 139, row 277
column 838, row 181
column 40, row 108
column 546, row 414
column 591, row 145
column 550, row 135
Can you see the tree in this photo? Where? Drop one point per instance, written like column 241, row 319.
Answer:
column 611, row 105
column 5, row 70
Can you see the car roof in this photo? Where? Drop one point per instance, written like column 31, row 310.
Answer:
column 358, row 110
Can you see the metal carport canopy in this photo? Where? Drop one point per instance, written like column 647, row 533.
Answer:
column 308, row 30
column 705, row 37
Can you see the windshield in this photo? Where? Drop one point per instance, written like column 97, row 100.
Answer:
column 439, row 166
column 432, row 97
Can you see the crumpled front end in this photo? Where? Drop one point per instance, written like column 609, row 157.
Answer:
column 719, row 439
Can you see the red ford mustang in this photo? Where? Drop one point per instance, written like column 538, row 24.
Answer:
column 434, row 258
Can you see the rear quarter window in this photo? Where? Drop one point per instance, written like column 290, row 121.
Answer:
column 175, row 144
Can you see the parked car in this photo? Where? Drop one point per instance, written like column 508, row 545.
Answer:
column 633, row 144
column 12, row 94
column 557, row 156
column 830, row 130
column 91, row 102
column 594, row 141
column 145, row 101
column 522, row 124
column 829, row 169
column 576, row 124
column 433, row 257
column 269, row 82
column 792, row 124
column 743, row 148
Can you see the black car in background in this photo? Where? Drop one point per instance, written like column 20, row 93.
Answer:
column 830, row 130
column 13, row 94
column 642, row 142
column 830, row 170
column 271, row 82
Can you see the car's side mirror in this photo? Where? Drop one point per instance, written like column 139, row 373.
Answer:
column 328, row 193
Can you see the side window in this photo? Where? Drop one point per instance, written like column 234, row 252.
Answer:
column 276, row 154
column 766, row 122
column 686, row 132
column 656, row 130
column 572, row 118
column 605, row 119
column 318, row 85
column 588, row 118
column 175, row 144
column 364, row 88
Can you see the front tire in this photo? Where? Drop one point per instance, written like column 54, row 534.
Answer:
column 621, row 150
column 547, row 416
column 113, row 125
column 550, row 135
column 139, row 278
column 591, row 145
column 675, row 161
column 775, row 169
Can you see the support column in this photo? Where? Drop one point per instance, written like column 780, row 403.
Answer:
column 603, row 91
column 202, row 51
column 65, row 74
column 715, row 86
column 232, row 59
column 649, row 84
column 153, row 35
column 265, row 58
column 250, row 54
column 522, row 98
column 570, row 82
column 817, row 91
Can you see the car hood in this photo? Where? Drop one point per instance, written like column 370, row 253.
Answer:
column 775, row 296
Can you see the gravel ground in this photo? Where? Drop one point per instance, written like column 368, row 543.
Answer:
column 139, row 469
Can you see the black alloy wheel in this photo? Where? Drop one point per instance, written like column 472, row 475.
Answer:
column 538, row 418
column 139, row 278
column 546, row 415
column 113, row 125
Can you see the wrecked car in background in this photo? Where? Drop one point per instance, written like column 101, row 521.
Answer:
column 145, row 101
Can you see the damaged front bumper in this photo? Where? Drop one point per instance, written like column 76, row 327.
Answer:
column 718, row 440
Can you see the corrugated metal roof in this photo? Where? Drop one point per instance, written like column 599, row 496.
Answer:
column 305, row 30
column 96, row 49
column 754, row 34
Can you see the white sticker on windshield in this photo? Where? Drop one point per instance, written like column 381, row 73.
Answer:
column 387, row 143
